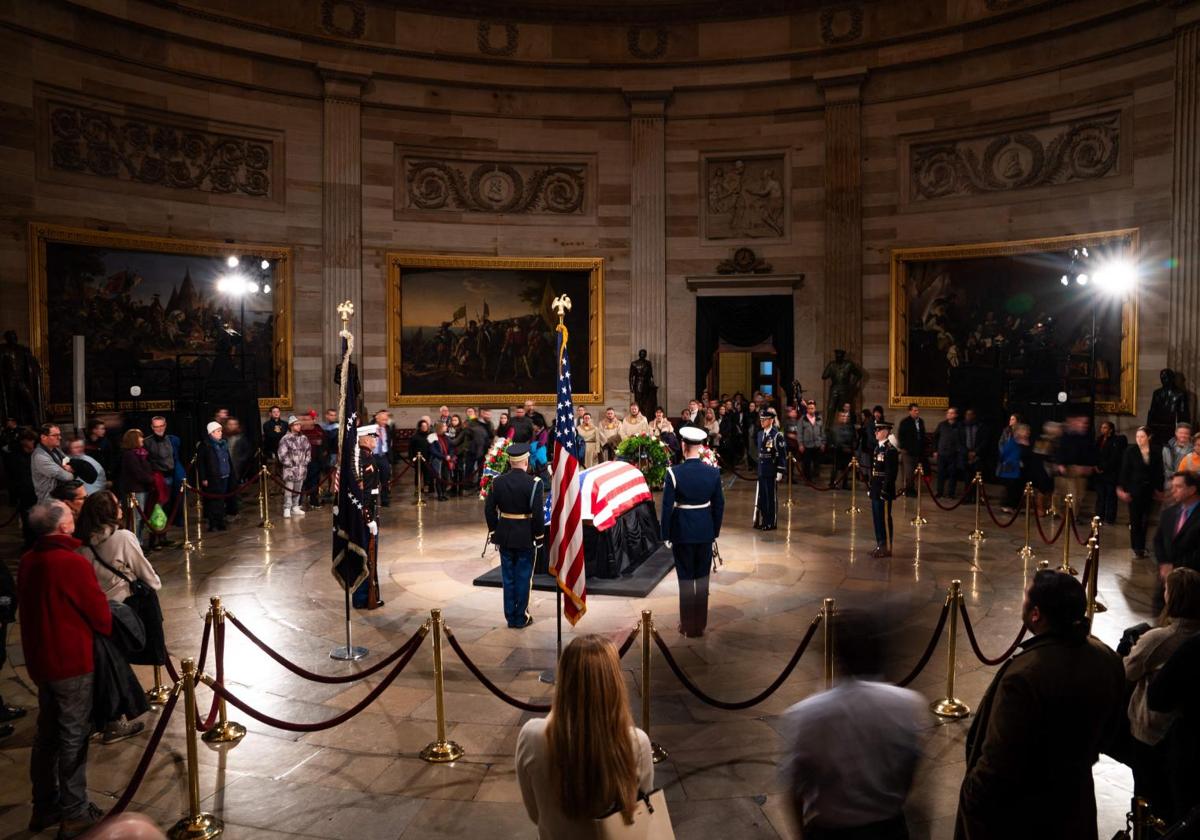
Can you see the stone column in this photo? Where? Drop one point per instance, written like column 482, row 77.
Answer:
column 842, row 322
column 1183, row 329
column 341, row 212
column 648, row 233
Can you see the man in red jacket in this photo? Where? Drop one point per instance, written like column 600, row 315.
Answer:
column 61, row 607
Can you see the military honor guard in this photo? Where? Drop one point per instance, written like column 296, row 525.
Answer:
column 366, row 596
column 885, row 464
column 692, row 508
column 515, row 520
column 772, row 463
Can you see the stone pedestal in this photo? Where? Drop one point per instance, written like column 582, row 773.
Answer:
column 842, row 320
column 1183, row 336
column 341, row 211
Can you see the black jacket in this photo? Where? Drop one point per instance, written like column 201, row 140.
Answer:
column 519, row 493
column 1138, row 476
column 911, row 437
column 1110, row 457
column 210, row 464
column 1178, row 549
column 116, row 690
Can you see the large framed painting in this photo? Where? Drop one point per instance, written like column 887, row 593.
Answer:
column 481, row 329
column 163, row 318
column 1041, row 320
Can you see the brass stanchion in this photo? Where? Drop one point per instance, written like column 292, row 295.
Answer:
column 827, row 612
column 157, row 694
column 224, row 732
column 1143, row 824
column 1067, row 536
column 977, row 534
column 950, row 706
column 1097, row 606
column 1090, row 583
column 187, row 530
column 131, row 511
column 656, row 750
column 197, row 825
column 919, row 519
column 791, row 467
column 264, row 496
column 854, row 508
column 1026, row 551
column 420, row 460
column 440, row 751
column 1042, row 565
column 199, row 519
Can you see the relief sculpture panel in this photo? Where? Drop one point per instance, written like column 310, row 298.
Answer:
column 745, row 196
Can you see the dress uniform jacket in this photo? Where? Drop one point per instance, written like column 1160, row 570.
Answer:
column 1039, row 729
column 693, row 503
column 885, row 464
column 518, row 493
column 772, row 453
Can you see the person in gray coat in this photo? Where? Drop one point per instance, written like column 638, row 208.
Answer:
column 48, row 464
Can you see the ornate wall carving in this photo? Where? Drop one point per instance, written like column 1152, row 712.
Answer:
column 344, row 18
column 745, row 195
column 640, row 46
column 552, row 187
column 98, row 139
column 484, row 39
column 841, row 24
column 1062, row 152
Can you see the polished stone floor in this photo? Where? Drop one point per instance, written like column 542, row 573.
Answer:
column 364, row 779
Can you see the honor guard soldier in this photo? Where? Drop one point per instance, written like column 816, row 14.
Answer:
column 514, row 511
column 692, row 508
column 772, row 461
column 885, row 464
column 366, row 596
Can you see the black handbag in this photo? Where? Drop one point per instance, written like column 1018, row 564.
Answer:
column 144, row 602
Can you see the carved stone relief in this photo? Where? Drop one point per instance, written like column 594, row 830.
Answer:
column 745, row 196
column 484, row 39
column 518, row 184
column 1059, row 153
column 344, row 18
column 646, row 42
column 125, row 145
column 841, row 24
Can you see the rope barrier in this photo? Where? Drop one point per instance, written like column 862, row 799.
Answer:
column 741, row 704
column 937, row 501
column 988, row 504
column 146, row 518
column 966, row 617
column 1057, row 534
column 1075, row 531
column 315, row 677
column 293, row 726
column 139, row 772
column 207, row 723
column 540, row 708
column 925, row 657
column 206, row 495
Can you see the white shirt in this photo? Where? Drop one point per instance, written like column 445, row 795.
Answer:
column 540, row 791
column 852, row 752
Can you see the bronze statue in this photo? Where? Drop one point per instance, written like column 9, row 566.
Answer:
column 1168, row 407
column 20, row 382
column 642, row 389
column 844, row 376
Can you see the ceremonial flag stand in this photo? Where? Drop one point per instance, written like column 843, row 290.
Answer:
column 342, row 497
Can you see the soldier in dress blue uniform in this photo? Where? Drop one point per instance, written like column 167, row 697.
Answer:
column 692, row 508
column 516, row 522
column 366, row 596
column 885, row 464
column 772, row 462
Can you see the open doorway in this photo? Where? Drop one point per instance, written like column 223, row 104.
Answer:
column 744, row 343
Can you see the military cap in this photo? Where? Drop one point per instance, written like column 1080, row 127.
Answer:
column 518, row 450
column 369, row 429
column 693, row 435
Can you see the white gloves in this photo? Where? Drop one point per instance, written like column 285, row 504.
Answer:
column 778, row 477
column 667, row 543
column 373, row 527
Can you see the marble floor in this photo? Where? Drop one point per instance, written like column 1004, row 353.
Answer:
column 364, row 779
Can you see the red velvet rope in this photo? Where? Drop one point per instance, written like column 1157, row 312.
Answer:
column 987, row 503
column 146, row 519
column 924, row 660
column 938, row 502
column 292, row 726
column 1075, row 531
column 539, row 708
column 1057, row 534
column 321, row 678
column 203, row 725
column 139, row 772
column 206, row 495
column 966, row 617
column 740, row 704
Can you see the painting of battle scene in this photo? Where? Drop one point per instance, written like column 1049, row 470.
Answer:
column 1011, row 315
column 161, row 318
column 744, row 197
column 489, row 331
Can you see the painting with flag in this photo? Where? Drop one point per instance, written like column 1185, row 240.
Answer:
column 566, row 560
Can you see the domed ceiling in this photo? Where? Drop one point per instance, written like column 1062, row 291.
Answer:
column 609, row 11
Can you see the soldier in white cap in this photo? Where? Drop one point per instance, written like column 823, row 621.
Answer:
column 366, row 596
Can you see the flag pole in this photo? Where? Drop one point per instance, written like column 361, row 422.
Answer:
column 547, row 676
column 349, row 653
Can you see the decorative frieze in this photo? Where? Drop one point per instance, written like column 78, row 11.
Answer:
column 549, row 186
column 483, row 39
column 1061, row 152
column 344, row 18
column 841, row 24
column 647, row 42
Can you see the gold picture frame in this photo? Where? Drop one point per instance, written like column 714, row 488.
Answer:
column 899, row 392
column 400, row 262
column 40, row 234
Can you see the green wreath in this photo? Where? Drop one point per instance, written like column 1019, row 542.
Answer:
column 649, row 455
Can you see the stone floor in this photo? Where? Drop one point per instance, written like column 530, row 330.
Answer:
column 363, row 779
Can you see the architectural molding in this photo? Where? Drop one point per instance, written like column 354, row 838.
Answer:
column 330, row 11
column 483, row 39
column 841, row 24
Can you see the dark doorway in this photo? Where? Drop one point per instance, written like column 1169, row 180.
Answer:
column 747, row 321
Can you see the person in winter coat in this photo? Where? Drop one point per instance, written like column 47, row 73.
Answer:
column 137, row 477
column 294, row 452
column 216, row 476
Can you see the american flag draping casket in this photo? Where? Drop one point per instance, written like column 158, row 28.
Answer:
column 610, row 489
column 620, row 524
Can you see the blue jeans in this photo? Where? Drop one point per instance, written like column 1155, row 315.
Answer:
column 516, row 570
column 58, row 765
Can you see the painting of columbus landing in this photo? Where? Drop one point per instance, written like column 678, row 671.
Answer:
column 474, row 329
column 171, row 317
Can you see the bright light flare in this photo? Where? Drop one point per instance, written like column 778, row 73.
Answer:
column 1117, row 277
column 232, row 262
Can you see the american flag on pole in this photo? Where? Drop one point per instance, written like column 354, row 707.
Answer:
column 566, row 517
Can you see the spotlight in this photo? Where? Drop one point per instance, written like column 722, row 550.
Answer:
column 1117, row 277
column 265, row 264
column 1066, row 281
column 222, row 284
column 266, row 288
column 251, row 286
column 1082, row 279
column 232, row 262
column 1085, row 253
column 1062, row 396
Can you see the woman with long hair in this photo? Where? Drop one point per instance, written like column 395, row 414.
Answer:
column 1139, row 482
column 136, row 477
column 586, row 759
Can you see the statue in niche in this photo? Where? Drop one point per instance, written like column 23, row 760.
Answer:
column 844, row 377
column 1168, row 407
column 20, row 382
column 642, row 389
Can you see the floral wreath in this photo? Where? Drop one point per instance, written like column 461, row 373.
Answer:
column 494, row 463
column 657, row 457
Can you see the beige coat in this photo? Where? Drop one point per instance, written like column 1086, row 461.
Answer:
column 631, row 426
column 120, row 549
column 1150, row 653
column 590, row 435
